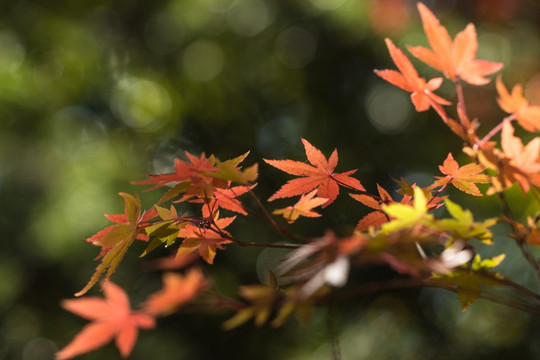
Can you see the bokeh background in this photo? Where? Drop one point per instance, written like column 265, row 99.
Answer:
column 95, row 94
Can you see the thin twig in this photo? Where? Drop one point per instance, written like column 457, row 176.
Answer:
column 461, row 101
column 227, row 236
column 519, row 240
column 269, row 220
column 494, row 131
column 332, row 334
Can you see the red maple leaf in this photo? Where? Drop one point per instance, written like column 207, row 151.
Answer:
column 193, row 179
column 111, row 317
column 515, row 103
column 205, row 240
column 454, row 59
column 407, row 79
column 184, row 171
column 319, row 175
column 226, row 199
column 177, row 290
column 464, row 178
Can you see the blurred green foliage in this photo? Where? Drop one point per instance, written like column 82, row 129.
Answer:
column 95, row 94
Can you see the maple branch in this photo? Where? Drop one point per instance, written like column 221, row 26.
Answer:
column 519, row 239
column 410, row 283
column 269, row 220
column 331, row 326
column 530, row 258
column 227, row 236
column 438, row 192
column 494, row 131
column 461, row 101
column 505, row 282
column 195, row 220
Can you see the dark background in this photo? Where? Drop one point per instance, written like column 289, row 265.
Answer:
column 95, row 94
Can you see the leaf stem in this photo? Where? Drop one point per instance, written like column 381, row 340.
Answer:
column 461, row 103
column 494, row 131
column 269, row 220
column 227, row 236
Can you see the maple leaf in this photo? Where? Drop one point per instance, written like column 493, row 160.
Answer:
column 462, row 226
column 375, row 218
column 226, row 199
column 455, row 59
column 406, row 216
column 515, row 103
column 172, row 262
column 294, row 301
column 467, row 281
column 303, row 207
column 166, row 231
column 193, row 178
column 463, row 178
column 184, row 171
column 319, row 175
column 407, row 79
column 523, row 162
column 530, row 233
column 228, row 170
column 112, row 318
column 177, row 290
column 115, row 240
column 204, row 240
column 262, row 298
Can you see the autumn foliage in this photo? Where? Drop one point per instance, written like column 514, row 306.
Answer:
column 400, row 230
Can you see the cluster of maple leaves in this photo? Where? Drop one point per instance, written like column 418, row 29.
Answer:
column 402, row 233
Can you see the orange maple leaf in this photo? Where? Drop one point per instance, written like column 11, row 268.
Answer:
column 226, row 199
column 375, row 218
column 515, row 103
column 319, row 175
column 464, row 178
column 304, row 207
column 407, row 79
column 522, row 163
column 177, row 290
column 111, row 317
column 455, row 59
column 203, row 239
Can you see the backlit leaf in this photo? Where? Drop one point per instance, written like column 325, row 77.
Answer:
column 319, row 175
column 112, row 319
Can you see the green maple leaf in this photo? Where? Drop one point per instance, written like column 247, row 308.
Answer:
column 115, row 240
column 462, row 225
column 166, row 231
column 262, row 299
column 467, row 281
column 406, row 216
